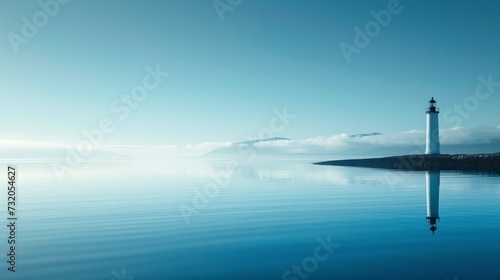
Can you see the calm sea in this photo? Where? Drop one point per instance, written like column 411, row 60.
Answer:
column 264, row 219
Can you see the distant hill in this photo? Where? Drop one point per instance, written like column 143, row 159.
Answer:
column 365, row 135
column 253, row 142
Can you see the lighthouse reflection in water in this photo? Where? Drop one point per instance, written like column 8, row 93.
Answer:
column 432, row 179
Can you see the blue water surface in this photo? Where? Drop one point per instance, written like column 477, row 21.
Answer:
column 269, row 219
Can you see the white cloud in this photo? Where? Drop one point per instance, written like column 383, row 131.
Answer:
column 460, row 135
column 454, row 140
column 411, row 141
column 457, row 135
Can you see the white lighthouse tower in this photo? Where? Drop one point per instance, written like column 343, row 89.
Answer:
column 432, row 179
column 432, row 138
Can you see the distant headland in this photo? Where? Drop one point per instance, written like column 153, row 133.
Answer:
column 462, row 162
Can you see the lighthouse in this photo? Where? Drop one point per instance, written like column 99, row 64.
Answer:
column 432, row 179
column 432, row 138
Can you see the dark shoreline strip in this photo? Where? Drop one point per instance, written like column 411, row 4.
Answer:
column 461, row 162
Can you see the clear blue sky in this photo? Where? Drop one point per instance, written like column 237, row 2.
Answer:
column 227, row 76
